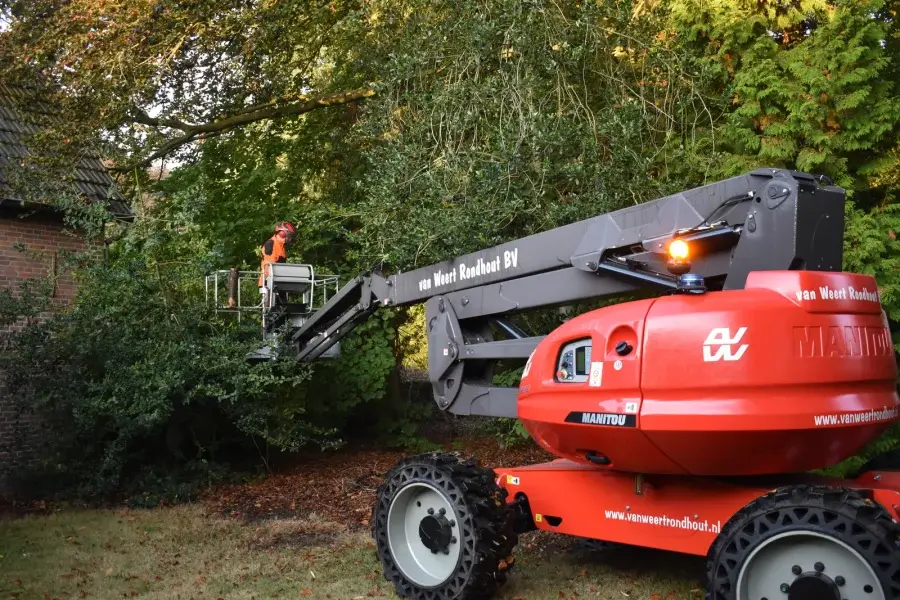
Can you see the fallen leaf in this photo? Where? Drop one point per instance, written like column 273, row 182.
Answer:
column 108, row 572
column 655, row 597
column 306, row 592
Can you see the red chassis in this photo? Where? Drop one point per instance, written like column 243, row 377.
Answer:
column 672, row 414
column 668, row 512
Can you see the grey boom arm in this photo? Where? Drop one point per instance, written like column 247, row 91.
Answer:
column 767, row 219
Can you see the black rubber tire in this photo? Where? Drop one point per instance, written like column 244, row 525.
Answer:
column 839, row 513
column 486, row 526
column 886, row 461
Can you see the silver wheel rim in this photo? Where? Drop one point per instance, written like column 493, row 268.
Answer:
column 414, row 559
column 770, row 572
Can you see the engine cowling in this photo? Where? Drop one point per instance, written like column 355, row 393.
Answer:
column 794, row 372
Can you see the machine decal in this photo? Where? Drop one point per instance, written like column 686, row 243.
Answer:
column 596, row 374
column 512, row 480
column 852, row 418
column 631, row 407
column 720, row 345
column 843, row 293
column 685, row 522
column 606, row 419
column 463, row 272
column 841, row 341
column 617, row 365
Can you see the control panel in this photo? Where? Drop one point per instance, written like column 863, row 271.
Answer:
column 574, row 362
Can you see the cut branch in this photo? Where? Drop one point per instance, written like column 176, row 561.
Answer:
column 275, row 110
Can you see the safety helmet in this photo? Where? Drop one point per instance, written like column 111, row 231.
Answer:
column 285, row 226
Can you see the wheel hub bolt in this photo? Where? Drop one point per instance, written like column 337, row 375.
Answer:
column 819, row 567
column 785, row 588
column 840, row 580
column 796, row 570
column 442, row 512
column 452, row 523
column 453, row 539
column 430, row 511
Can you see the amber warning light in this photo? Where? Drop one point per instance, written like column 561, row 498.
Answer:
column 678, row 250
column 679, row 257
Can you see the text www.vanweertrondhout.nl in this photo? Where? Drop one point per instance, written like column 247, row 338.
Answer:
column 664, row 521
column 849, row 418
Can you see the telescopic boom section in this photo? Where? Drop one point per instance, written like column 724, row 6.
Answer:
column 768, row 219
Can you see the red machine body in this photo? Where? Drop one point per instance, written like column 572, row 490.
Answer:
column 667, row 512
column 793, row 373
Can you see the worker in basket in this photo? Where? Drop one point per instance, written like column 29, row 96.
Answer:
column 274, row 250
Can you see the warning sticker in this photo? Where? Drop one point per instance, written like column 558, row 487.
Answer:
column 596, row 374
column 631, row 407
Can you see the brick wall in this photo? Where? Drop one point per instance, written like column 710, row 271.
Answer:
column 36, row 248
column 30, row 248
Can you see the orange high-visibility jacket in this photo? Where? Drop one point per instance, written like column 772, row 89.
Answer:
column 272, row 252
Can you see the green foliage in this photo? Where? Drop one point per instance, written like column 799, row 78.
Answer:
column 202, row 68
column 807, row 87
column 871, row 247
column 517, row 119
column 887, row 442
column 360, row 375
column 138, row 372
column 509, row 432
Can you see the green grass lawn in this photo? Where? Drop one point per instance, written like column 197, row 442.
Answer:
column 180, row 554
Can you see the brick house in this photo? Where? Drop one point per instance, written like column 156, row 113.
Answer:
column 34, row 241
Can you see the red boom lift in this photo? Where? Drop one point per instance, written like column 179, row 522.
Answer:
column 689, row 420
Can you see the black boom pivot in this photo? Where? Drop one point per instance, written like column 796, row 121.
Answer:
column 768, row 219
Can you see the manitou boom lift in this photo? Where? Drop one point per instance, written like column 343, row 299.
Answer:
column 686, row 421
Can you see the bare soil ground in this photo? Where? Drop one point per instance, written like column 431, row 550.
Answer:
column 341, row 486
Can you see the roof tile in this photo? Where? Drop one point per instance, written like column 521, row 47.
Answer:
column 90, row 179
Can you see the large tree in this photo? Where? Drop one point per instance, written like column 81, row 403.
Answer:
column 155, row 76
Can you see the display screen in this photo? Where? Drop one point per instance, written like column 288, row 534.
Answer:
column 581, row 361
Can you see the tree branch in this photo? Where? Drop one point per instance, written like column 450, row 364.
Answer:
column 144, row 119
column 274, row 110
